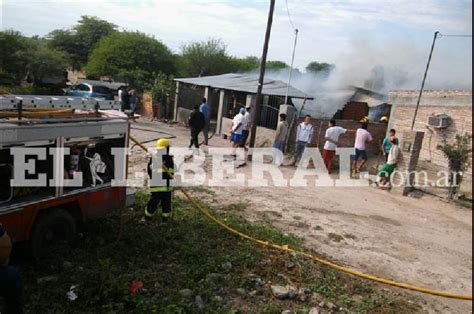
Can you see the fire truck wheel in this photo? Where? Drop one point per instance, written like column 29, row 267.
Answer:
column 54, row 227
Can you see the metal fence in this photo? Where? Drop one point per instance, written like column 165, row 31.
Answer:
column 270, row 111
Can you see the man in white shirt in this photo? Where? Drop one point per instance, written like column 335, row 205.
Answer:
column 236, row 130
column 362, row 138
column 304, row 135
column 332, row 138
column 246, row 125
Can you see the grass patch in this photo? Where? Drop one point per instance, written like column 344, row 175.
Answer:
column 235, row 207
column 187, row 253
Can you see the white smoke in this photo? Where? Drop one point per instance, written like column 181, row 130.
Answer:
column 382, row 67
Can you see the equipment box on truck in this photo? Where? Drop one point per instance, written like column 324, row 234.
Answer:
column 34, row 133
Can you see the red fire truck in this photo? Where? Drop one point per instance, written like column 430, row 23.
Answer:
column 90, row 128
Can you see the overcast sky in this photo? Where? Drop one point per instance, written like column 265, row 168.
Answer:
column 329, row 30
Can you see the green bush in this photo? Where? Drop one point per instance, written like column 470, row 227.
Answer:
column 458, row 155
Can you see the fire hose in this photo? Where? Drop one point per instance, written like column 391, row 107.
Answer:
column 322, row 261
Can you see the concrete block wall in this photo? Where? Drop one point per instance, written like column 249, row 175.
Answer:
column 410, row 148
column 455, row 103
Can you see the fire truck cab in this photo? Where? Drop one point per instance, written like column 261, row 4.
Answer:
column 43, row 214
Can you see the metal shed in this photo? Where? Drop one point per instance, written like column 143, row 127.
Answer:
column 245, row 83
column 226, row 92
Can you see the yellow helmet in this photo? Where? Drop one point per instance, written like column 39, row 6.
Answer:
column 384, row 119
column 364, row 119
column 162, row 143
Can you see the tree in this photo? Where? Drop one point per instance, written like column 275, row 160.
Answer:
column 130, row 56
column 202, row 58
column 458, row 155
column 81, row 40
column 276, row 65
column 14, row 57
column 162, row 90
column 246, row 64
column 320, row 68
column 46, row 63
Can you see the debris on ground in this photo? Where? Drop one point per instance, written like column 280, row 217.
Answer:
column 135, row 286
column 71, row 294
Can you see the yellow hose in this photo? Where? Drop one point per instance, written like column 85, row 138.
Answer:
column 285, row 248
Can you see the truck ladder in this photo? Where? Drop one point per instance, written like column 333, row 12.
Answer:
column 20, row 102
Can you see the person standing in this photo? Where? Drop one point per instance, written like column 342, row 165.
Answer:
column 387, row 143
column 362, row 138
column 196, row 122
column 125, row 99
column 120, row 97
column 236, row 130
column 206, row 111
column 386, row 171
column 246, row 125
column 161, row 194
column 134, row 100
column 304, row 135
column 331, row 137
column 11, row 288
column 280, row 136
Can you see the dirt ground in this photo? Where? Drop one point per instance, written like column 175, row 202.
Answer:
column 422, row 241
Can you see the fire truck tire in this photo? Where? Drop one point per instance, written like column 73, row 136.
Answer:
column 56, row 226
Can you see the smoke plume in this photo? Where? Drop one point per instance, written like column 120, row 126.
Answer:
column 382, row 67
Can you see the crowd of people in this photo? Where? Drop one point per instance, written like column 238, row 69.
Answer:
column 199, row 120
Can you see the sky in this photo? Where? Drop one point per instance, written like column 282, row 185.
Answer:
column 353, row 34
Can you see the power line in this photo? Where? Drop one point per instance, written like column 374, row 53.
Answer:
column 289, row 16
column 436, row 36
column 443, row 35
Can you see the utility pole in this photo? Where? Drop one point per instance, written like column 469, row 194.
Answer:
column 424, row 80
column 258, row 97
column 291, row 68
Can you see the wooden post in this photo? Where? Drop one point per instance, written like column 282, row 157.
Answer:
column 176, row 102
column 258, row 102
column 220, row 112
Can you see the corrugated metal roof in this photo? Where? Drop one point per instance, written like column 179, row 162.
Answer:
column 244, row 83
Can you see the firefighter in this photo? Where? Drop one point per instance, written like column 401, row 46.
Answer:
column 11, row 288
column 161, row 194
column 383, row 119
column 364, row 120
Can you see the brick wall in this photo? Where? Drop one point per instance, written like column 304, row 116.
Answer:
column 355, row 110
column 146, row 106
column 456, row 104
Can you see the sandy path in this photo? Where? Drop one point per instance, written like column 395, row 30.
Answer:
column 426, row 242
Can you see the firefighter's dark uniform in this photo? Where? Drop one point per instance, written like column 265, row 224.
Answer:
column 11, row 288
column 161, row 194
